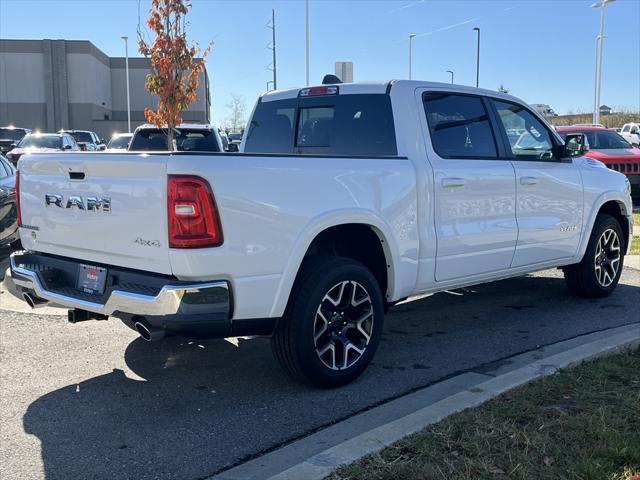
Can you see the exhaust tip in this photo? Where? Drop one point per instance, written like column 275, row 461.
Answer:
column 33, row 301
column 148, row 334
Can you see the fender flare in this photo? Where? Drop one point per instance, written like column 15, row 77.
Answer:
column 605, row 197
column 319, row 224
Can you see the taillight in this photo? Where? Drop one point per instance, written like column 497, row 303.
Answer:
column 193, row 216
column 19, row 216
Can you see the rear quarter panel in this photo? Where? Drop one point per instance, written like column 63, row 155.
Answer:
column 272, row 208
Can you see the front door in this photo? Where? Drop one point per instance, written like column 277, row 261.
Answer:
column 549, row 206
column 474, row 189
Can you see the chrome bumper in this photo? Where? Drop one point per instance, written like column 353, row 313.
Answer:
column 183, row 299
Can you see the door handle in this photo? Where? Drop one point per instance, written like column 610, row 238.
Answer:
column 528, row 180
column 453, row 182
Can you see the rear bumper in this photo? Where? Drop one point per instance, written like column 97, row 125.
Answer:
column 48, row 279
column 190, row 309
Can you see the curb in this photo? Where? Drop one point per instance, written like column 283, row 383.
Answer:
column 477, row 387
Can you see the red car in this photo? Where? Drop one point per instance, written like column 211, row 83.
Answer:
column 611, row 149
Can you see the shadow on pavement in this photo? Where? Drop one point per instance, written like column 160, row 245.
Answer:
column 198, row 406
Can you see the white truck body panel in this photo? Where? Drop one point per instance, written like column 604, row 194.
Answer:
column 443, row 223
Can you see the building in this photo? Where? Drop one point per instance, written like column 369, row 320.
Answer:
column 344, row 71
column 49, row 85
column 605, row 110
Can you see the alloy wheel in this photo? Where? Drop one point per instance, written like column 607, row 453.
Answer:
column 607, row 257
column 343, row 325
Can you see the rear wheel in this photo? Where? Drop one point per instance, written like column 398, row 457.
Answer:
column 598, row 273
column 332, row 325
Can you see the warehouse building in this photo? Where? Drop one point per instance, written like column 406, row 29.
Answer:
column 49, row 85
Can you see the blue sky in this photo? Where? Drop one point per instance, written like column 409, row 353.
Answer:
column 543, row 51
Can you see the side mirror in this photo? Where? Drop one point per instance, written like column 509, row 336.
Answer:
column 12, row 146
column 233, row 148
column 575, row 144
column 66, row 147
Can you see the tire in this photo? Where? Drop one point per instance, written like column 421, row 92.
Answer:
column 598, row 274
column 334, row 301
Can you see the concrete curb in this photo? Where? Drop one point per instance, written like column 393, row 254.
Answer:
column 323, row 463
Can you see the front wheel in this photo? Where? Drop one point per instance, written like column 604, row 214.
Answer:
column 332, row 325
column 598, row 273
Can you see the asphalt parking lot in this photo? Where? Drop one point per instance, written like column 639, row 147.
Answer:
column 94, row 401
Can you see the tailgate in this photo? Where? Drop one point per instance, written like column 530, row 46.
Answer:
column 97, row 207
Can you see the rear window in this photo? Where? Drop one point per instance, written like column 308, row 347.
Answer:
column 187, row 140
column 341, row 125
column 41, row 141
column 600, row 139
column 11, row 134
column 82, row 137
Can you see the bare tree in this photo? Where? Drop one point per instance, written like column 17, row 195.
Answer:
column 236, row 121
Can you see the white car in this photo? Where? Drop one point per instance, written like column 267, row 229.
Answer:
column 345, row 200
column 631, row 133
column 187, row 137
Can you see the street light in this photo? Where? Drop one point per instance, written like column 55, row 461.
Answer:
column 268, row 82
column 126, row 67
column 411, row 37
column 478, row 59
column 599, row 48
column 451, row 72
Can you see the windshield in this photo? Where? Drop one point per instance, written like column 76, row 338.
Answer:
column 235, row 137
column 15, row 134
column 120, row 142
column 82, row 137
column 187, row 140
column 601, row 139
column 41, row 141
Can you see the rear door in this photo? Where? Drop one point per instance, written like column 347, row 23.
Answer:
column 97, row 207
column 474, row 188
column 549, row 189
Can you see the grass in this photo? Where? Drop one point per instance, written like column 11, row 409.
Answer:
column 635, row 241
column 580, row 424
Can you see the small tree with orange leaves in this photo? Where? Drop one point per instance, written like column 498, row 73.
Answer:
column 175, row 74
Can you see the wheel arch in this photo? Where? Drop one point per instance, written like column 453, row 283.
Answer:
column 608, row 203
column 324, row 228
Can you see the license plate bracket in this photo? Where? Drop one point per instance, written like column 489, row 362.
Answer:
column 91, row 279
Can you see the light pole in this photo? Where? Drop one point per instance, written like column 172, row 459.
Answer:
column 599, row 48
column 411, row 37
column 268, row 82
column 478, row 59
column 306, row 22
column 126, row 67
column 451, row 72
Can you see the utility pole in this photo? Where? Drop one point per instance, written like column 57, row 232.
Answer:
column 451, row 72
column 126, row 66
column 599, row 48
column 478, row 59
column 273, row 47
column 306, row 21
column 411, row 37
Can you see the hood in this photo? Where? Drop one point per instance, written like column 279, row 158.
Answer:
column 615, row 155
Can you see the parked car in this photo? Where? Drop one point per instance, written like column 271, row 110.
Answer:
column 87, row 140
column 42, row 143
column 10, row 137
column 612, row 150
column 631, row 133
column 235, row 137
column 347, row 199
column 120, row 141
column 8, row 211
column 187, row 138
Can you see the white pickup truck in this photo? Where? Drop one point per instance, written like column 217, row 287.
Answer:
column 347, row 198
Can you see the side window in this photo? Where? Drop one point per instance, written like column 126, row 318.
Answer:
column 528, row 138
column 626, row 128
column 5, row 171
column 459, row 126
